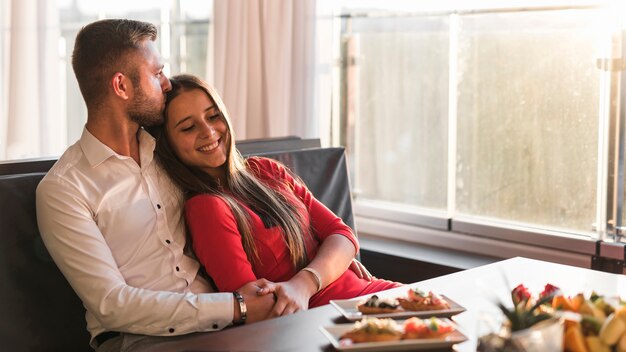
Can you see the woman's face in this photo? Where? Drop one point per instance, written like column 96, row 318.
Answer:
column 197, row 131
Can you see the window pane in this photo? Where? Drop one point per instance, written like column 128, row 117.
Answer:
column 528, row 107
column 401, row 110
column 192, row 46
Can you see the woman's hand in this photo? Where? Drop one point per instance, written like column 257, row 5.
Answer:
column 293, row 295
column 360, row 270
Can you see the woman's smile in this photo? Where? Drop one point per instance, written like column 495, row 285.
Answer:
column 209, row 147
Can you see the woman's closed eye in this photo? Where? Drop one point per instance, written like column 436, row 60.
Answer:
column 213, row 117
column 188, row 128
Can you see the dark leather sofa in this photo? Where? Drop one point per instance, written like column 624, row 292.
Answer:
column 40, row 311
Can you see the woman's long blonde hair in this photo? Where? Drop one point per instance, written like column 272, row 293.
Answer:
column 270, row 203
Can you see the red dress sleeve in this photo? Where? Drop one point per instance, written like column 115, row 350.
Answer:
column 323, row 221
column 217, row 242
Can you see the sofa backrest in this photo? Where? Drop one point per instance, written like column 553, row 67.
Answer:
column 325, row 172
column 269, row 145
column 40, row 311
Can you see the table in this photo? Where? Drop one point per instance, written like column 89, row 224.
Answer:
column 476, row 289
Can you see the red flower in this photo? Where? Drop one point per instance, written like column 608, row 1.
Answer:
column 520, row 294
column 549, row 290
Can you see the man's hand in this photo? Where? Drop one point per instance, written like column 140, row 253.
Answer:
column 259, row 301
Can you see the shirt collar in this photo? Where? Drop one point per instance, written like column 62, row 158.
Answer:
column 97, row 152
column 147, row 144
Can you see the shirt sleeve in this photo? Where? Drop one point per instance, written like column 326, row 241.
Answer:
column 217, row 242
column 323, row 221
column 79, row 249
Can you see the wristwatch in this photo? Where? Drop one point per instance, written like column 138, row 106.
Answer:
column 243, row 311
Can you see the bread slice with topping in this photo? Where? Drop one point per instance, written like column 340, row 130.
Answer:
column 376, row 305
column 374, row 330
column 418, row 300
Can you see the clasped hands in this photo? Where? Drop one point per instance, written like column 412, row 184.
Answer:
column 265, row 299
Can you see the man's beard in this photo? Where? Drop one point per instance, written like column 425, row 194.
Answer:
column 146, row 111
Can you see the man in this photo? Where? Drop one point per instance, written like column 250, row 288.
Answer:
column 111, row 218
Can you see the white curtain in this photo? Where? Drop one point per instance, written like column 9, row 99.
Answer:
column 31, row 124
column 264, row 66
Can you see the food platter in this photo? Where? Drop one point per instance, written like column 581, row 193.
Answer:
column 334, row 333
column 348, row 308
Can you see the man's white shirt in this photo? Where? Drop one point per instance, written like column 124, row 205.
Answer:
column 115, row 231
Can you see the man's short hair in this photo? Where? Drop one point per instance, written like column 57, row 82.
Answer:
column 103, row 48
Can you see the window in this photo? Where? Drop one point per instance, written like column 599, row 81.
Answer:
column 398, row 108
column 483, row 114
column 527, row 117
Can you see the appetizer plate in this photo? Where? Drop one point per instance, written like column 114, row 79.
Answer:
column 348, row 308
column 334, row 332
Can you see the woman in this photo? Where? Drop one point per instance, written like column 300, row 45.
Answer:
column 251, row 218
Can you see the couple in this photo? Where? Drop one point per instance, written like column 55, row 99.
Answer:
column 111, row 212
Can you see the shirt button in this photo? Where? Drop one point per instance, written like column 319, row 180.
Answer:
column 177, row 269
column 159, row 206
column 171, row 330
column 215, row 326
column 168, row 241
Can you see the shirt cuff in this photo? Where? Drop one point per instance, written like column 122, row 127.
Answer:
column 215, row 311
